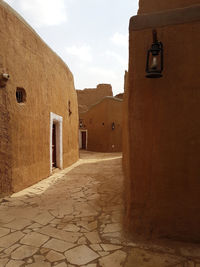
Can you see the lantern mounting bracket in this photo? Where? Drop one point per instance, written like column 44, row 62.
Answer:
column 154, row 62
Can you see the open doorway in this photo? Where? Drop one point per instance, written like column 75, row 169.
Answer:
column 83, row 139
column 54, row 164
column 56, row 143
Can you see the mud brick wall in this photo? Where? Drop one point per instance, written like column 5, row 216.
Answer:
column 162, row 177
column 152, row 6
column 88, row 97
column 98, row 122
column 49, row 87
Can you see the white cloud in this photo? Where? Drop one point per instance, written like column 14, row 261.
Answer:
column 10, row 2
column 119, row 58
column 103, row 73
column 81, row 52
column 120, row 39
column 41, row 13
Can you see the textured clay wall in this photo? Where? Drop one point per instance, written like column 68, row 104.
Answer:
column 125, row 139
column 49, row 86
column 88, row 97
column 149, row 6
column 162, row 180
column 5, row 146
column 98, row 121
column 121, row 95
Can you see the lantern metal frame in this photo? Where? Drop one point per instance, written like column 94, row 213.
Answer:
column 113, row 126
column 155, row 50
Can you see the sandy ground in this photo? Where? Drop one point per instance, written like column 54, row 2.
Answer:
column 74, row 218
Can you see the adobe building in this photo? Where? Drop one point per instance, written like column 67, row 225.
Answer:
column 163, row 126
column 90, row 96
column 120, row 95
column 38, row 104
column 101, row 126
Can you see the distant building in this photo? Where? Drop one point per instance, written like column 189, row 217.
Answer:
column 101, row 126
column 38, row 105
column 90, row 96
column 121, row 95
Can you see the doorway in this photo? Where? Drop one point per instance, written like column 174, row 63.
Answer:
column 56, row 142
column 83, row 139
column 83, row 136
column 54, row 165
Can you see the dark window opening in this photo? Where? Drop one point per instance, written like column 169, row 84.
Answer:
column 69, row 108
column 20, row 95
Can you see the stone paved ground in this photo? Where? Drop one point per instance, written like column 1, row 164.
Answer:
column 73, row 218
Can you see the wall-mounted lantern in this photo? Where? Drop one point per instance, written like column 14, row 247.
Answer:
column 113, row 126
column 80, row 123
column 154, row 64
column 4, row 77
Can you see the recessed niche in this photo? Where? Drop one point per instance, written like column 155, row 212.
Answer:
column 69, row 108
column 20, row 95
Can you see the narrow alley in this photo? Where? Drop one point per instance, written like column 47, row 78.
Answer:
column 74, row 218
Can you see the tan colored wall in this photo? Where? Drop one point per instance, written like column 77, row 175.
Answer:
column 102, row 137
column 49, row 86
column 5, row 147
column 162, row 178
column 149, row 6
column 88, row 97
column 121, row 95
column 126, row 142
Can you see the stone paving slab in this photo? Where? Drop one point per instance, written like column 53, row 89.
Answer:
column 96, row 247
column 9, row 250
column 3, row 262
column 110, row 247
column 59, row 234
column 18, row 224
column 74, row 218
column 38, row 264
column 44, row 218
column 81, row 255
column 58, row 245
column 93, row 237
column 23, row 252
column 4, row 231
column 63, row 264
column 34, row 239
column 71, row 228
column 53, row 256
column 14, row 263
column 10, row 239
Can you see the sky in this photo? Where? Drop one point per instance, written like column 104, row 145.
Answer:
column 91, row 36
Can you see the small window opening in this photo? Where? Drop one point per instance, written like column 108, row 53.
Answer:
column 69, row 108
column 20, row 95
